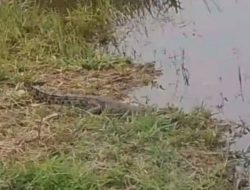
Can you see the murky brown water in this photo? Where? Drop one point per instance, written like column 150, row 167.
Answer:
column 204, row 52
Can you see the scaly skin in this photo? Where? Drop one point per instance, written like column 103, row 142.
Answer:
column 93, row 104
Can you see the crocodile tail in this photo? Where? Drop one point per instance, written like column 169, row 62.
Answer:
column 42, row 96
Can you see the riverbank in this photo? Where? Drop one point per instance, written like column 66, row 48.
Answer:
column 55, row 147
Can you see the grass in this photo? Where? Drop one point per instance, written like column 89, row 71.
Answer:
column 33, row 36
column 52, row 147
column 85, row 152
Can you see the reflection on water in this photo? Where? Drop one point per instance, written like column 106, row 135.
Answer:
column 204, row 53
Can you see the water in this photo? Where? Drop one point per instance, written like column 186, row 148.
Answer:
column 204, row 53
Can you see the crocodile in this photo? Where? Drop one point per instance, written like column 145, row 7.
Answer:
column 92, row 104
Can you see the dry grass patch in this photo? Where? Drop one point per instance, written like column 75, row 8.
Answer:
column 130, row 153
column 114, row 82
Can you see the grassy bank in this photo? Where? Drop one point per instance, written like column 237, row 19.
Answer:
column 44, row 150
column 31, row 37
column 54, row 147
